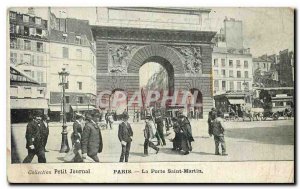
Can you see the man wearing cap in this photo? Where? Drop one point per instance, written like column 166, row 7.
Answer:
column 76, row 137
column 34, row 140
column 149, row 134
column 218, row 132
column 125, row 134
column 91, row 141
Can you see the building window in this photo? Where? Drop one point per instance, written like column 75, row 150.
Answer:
column 230, row 73
column 246, row 64
column 246, row 74
column 80, row 99
column 216, row 62
column 230, row 63
column 216, row 85
column 215, row 72
column 67, row 99
column 238, row 74
column 27, row 59
column 239, row 86
column 264, row 65
column 12, row 15
column 38, row 21
column 27, row 45
column 223, row 85
column 13, row 58
column 12, row 28
column 39, row 32
column 39, row 46
column 65, row 52
column 26, row 30
column 231, row 85
column 224, row 73
column 238, row 63
column 79, row 84
column 32, row 31
column 25, row 18
column 13, row 43
column 40, row 76
column 79, row 54
column 223, row 62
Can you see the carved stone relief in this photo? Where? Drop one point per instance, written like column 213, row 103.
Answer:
column 119, row 57
column 192, row 57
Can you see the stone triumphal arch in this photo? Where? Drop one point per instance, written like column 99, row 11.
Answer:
column 186, row 55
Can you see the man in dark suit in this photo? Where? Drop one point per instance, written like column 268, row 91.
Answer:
column 125, row 136
column 45, row 130
column 34, row 140
column 91, row 141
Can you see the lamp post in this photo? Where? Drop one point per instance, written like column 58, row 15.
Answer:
column 63, row 76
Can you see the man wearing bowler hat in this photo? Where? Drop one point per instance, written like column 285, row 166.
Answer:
column 125, row 136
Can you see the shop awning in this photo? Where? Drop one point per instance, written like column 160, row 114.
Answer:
column 29, row 103
column 236, row 101
column 57, row 108
column 83, row 108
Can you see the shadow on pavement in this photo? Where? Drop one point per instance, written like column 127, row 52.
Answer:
column 279, row 135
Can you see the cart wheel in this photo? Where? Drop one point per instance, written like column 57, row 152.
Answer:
column 275, row 116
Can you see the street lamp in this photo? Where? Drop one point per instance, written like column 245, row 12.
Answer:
column 63, row 77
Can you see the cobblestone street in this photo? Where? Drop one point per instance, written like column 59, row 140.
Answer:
column 260, row 140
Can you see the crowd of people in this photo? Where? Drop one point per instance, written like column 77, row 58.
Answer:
column 87, row 138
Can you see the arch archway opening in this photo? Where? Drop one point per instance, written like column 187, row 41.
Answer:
column 195, row 106
column 156, row 74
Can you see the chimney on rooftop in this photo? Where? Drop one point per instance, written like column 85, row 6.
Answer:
column 31, row 11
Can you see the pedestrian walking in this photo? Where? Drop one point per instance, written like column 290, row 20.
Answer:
column 218, row 132
column 209, row 121
column 45, row 130
column 34, row 140
column 177, row 139
column 125, row 135
column 186, row 134
column 91, row 141
column 76, row 137
column 149, row 134
column 160, row 127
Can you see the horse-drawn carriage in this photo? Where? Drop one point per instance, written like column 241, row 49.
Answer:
column 280, row 106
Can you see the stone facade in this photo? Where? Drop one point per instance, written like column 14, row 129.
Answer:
column 186, row 55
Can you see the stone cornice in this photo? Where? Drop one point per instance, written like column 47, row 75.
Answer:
column 181, row 10
column 151, row 35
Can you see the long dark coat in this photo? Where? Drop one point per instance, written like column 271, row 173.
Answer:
column 77, row 132
column 34, row 135
column 186, row 135
column 91, row 140
column 125, row 132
